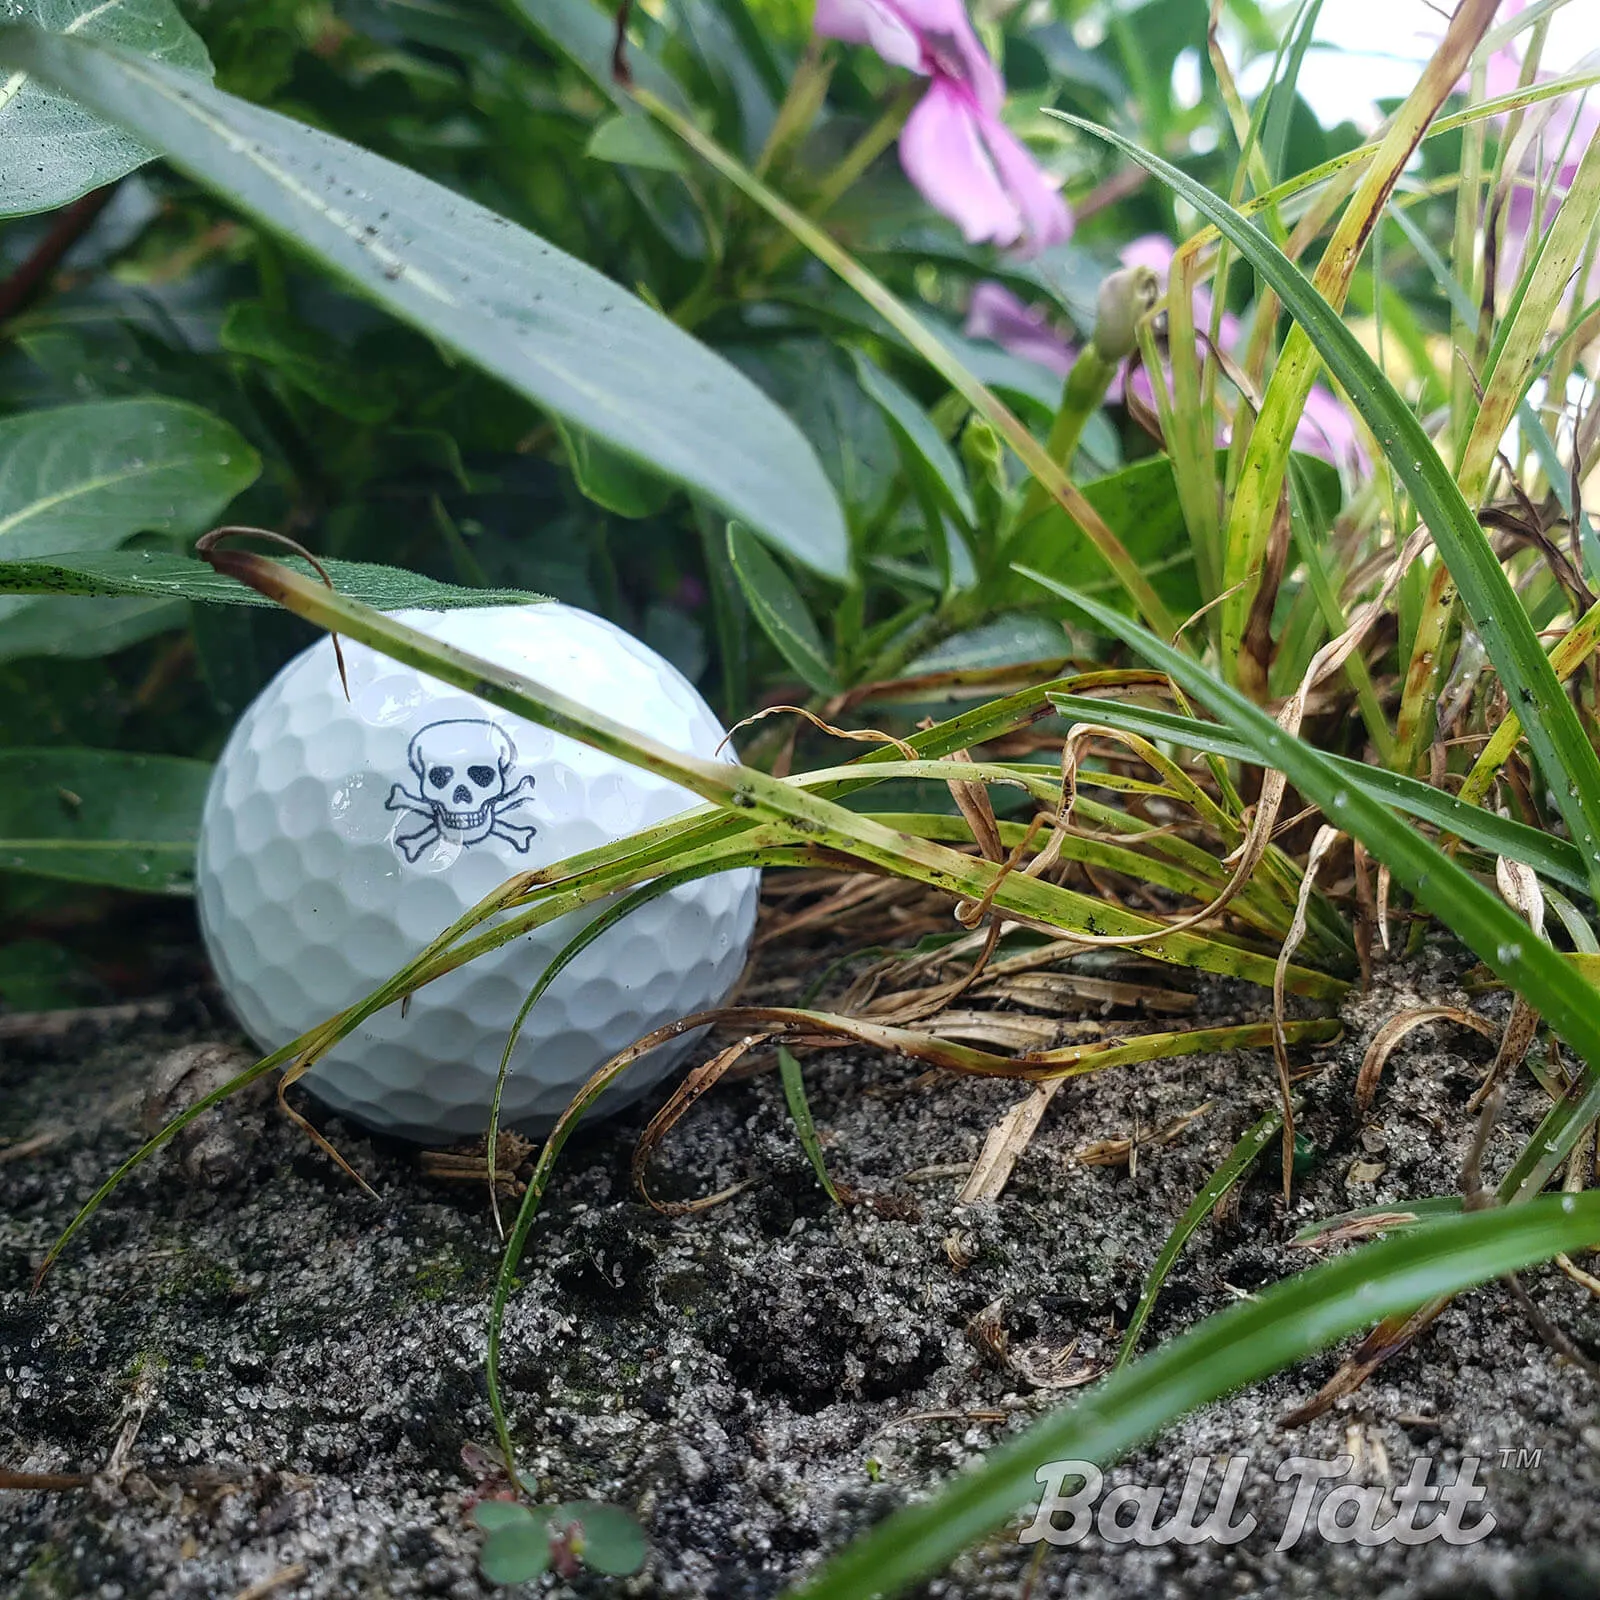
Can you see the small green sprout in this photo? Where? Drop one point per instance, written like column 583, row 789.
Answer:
column 526, row 1541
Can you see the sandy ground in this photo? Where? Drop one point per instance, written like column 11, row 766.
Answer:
column 272, row 1378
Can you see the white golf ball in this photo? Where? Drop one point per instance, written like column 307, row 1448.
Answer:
column 340, row 836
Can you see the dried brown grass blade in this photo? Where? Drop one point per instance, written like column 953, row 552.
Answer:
column 1324, row 841
column 1395, row 1029
column 1005, row 1142
column 702, row 1079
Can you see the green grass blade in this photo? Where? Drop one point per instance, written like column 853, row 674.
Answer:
column 1247, row 1342
column 1545, row 280
column 1549, row 856
column 794, row 1092
column 742, row 789
column 1239, row 1161
column 1554, row 732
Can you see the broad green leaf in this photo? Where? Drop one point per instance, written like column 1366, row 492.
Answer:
column 611, row 1539
column 101, row 816
column 54, row 149
column 88, row 477
column 1140, row 504
column 922, row 446
column 780, row 610
column 1563, row 751
column 611, row 479
column 586, row 34
column 79, row 628
column 492, row 1514
column 1249, row 1341
column 158, row 574
column 551, row 327
column 814, row 384
column 516, row 1551
column 1000, row 642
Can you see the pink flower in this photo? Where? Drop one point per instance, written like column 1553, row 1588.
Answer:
column 1324, row 430
column 969, row 165
column 923, row 36
column 995, row 314
column 1551, row 143
column 955, row 149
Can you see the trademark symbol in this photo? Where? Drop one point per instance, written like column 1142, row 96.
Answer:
column 1520, row 1460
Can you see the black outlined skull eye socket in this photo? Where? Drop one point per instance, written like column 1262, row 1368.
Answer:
column 482, row 776
column 440, row 776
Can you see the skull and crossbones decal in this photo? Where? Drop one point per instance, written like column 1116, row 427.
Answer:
column 461, row 769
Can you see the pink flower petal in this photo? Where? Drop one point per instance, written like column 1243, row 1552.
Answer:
column 944, row 155
column 1153, row 250
column 872, row 22
column 995, row 314
column 931, row 37
column 968, row 165
column 1326, row 430
column 1045, row 217
column 952, row 49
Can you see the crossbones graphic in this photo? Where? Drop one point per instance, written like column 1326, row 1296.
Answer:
column 461, row 770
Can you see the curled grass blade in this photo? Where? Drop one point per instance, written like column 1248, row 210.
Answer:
column 1563, row 751
column 813, row 819
column 1547, row 854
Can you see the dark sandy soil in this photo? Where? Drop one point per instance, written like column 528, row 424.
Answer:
column 273, row 1379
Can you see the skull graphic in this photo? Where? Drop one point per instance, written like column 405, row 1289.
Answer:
column 461, row 768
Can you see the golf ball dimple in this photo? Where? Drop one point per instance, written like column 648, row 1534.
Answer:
column 340, row 835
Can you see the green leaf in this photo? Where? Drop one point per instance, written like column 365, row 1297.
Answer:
column 492, row 1514
column 101, row 816
column 1565, row 755
column 1001, row 642
column 1238, row 1162
column 306, row 359
column 88, row 477
column 631, row 139
column 612, row 1540
column 922, row 446
column 780, row 610
column 610, row 479
column 55, row 150
column 74, row 629
column 794, row 1092
column 586, row 35
column 551, row 327
column 517, row 1552
column 1284, row 1324
column 155, row 573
